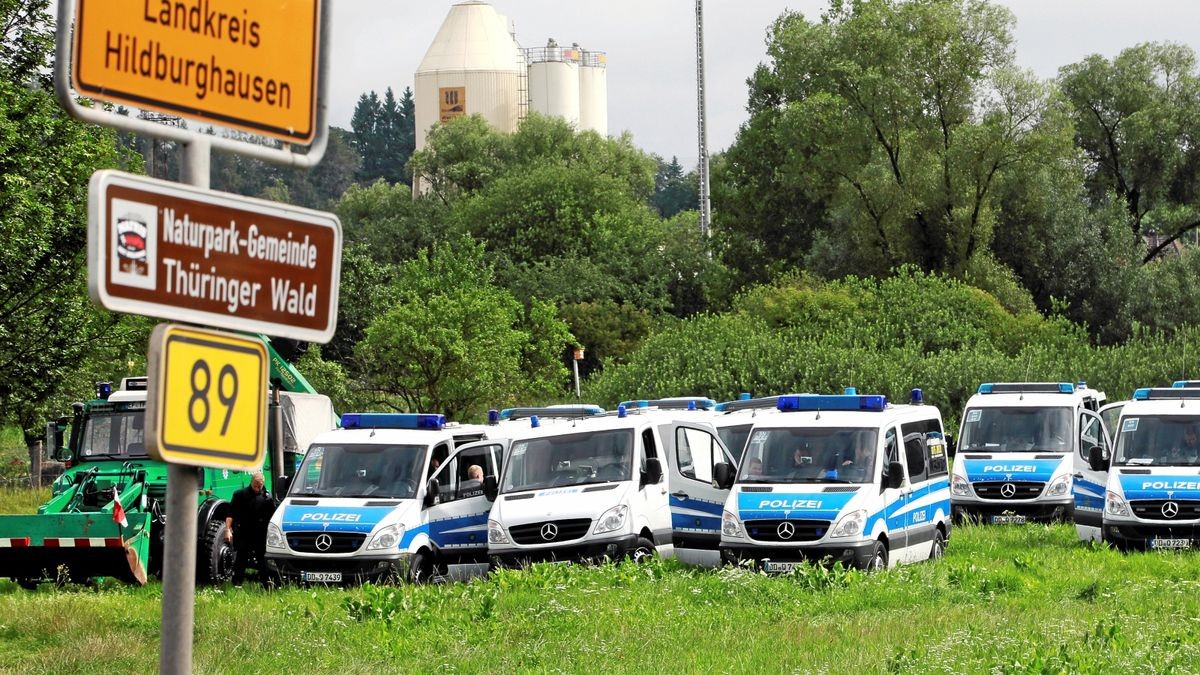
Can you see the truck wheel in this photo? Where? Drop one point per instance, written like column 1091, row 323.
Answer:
column 642, row 550
column 217, row 556
column 420, row 567
column 939, row 546
column 879, row 558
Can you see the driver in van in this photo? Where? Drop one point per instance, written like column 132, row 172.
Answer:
column 856, row 464
column 1187, row 451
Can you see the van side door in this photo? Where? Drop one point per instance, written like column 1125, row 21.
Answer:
column 1089, row 483
column 457, row 521
column 895, row 499
column 696, row 502
column 651, row 499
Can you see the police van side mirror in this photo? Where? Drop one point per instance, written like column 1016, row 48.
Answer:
column 431, row 492
column 895, row 475
column 653, row 471
column 490, row 488
column 1096, row 460
column 723, row 475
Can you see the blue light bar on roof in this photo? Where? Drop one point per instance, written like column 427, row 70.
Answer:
column 677, row 403
column 1027, row 388
column 1185, row 384
column 872, row 403
column 393, row 421
column 1161, row 393
column 554, row 411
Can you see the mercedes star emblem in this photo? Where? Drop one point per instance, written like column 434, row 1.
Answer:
column 786, row 530
column 1008, row 490
column 1170, row 509
column 549, row 531
column 324, row 541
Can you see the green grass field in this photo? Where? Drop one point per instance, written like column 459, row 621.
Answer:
column 1008, row 600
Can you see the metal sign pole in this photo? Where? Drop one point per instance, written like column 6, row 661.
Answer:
column 183, row 484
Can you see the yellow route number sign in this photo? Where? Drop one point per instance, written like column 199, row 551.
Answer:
column 207, row 398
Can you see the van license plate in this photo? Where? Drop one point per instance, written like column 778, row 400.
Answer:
column 1008, row 520
column 781, row 566
column 324, row 577
column 1170, row 543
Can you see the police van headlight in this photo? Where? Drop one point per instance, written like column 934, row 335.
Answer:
column 1114, row 505
column 388, row 537
column 496, row 533
column 612, row 520
column 730, row 525
column 851, row 524
column 959, row 486
column 275, row 537
column 1060, row 487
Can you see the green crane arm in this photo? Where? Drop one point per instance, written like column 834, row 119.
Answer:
column 285, row 373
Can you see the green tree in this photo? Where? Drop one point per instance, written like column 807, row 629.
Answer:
column 1137, row 119
column 900, row 118
column 674, row 191
column 384, row 135
column 52, row 339
column 454, row 343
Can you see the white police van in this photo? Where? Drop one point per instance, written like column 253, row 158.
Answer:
column 611, row 486
column 1146, row 493
column 1015, row 442
column 384, row 497
column 844, row 478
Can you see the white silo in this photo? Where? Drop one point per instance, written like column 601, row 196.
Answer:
column 554, row 82
column 593, row 92
column 473, row 66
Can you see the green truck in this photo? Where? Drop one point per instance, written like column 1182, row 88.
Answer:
column 76, row 536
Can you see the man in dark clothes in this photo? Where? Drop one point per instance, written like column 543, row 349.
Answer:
column 246, row 525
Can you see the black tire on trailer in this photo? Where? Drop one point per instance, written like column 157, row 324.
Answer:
column 215, row 559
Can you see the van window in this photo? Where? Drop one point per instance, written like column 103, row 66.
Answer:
column 569, row 459
column 455, row 479
column 440, row 453
column 924, row 449
column 696, row 453
column 649, row 448
column 734, row 438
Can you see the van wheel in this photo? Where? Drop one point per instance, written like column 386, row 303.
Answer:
column 879, row 558
column 643, row 550
column 420, row 568
column 216, row 556
column 939, row 546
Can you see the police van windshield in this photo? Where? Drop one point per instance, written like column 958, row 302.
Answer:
column 375, row 470
column 118, row 435
column 1016, row 430
column 1159, row 440
column 734, row 438
column 810, row 455
column 574, row 459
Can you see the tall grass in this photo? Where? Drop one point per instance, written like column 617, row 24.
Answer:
column 1009, row 600
column 22, row 500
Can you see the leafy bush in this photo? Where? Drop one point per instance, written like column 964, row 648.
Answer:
column 884, row 336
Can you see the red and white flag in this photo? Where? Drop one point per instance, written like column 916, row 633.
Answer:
column 118, row 510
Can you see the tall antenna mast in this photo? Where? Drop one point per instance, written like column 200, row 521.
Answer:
column 702, row 123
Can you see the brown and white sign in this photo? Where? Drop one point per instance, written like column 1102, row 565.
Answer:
column 182, row 253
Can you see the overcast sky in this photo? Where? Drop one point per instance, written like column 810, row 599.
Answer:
column 651, row 50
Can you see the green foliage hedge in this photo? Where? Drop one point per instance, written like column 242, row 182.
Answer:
column 884, row 336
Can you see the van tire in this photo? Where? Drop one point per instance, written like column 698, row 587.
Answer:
column 642, row 551
column 938, row 549
column 216, row 556
column 879, row 558
column 420, row 567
